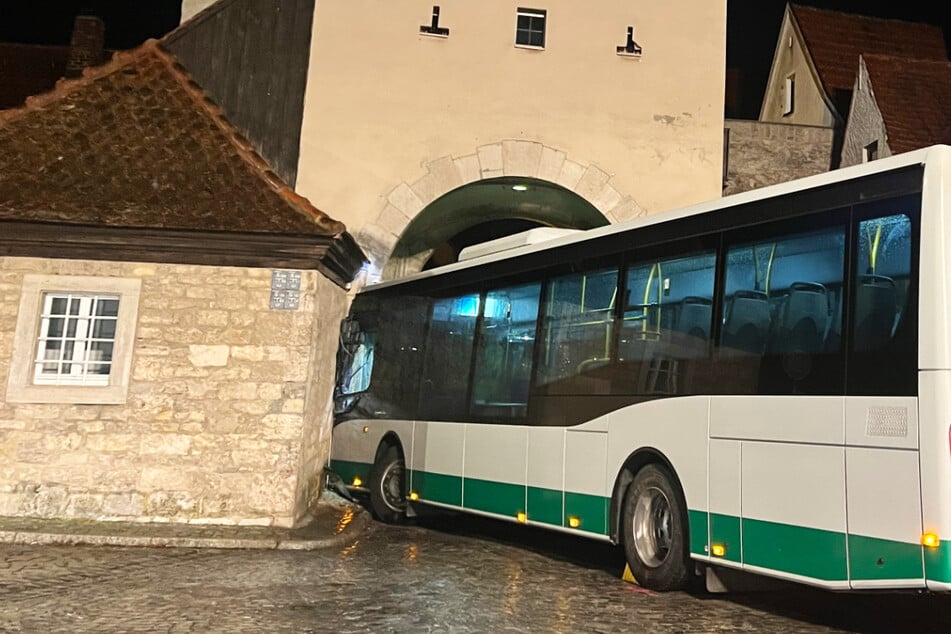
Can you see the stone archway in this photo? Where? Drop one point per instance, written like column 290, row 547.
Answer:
column 507, row 158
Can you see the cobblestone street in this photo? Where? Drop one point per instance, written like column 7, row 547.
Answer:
column 446, row 575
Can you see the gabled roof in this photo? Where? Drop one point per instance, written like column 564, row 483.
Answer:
column 136, row 145
column 914, row 98
column 835, row 40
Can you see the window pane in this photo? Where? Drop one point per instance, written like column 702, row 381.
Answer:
column 883, row 264
column 506, row 347
column 667, row 323
column 58, row 306
column 55, row 327
column 107, row 307
column 448, row 358
column 99, row 352
column 104, row 329
column 578, row 333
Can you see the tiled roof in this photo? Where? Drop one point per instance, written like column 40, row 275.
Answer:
column 914, row 97
column 135, row 143
column 835, row 40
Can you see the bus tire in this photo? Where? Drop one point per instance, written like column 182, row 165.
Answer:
column 655, row 530
column 387, row 486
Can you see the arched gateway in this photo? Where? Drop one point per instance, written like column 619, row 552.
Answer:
column 502, row 188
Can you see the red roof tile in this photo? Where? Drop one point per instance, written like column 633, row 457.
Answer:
column 835, row 40
column 914, row 97
column 135, row 143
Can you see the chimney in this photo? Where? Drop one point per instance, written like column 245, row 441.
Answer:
column 85, row 48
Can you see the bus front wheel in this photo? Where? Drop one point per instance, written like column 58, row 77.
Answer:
column 655, row 530
column 387, row 489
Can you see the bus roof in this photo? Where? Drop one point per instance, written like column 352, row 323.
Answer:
column 916, row 157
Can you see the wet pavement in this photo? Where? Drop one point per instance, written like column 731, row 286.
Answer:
column 456, row 574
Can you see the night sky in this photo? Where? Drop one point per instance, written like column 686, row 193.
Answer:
column 752, row 25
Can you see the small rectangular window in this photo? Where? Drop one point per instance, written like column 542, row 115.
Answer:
column 76, row 339
column 789, row 98
column 870, row 152
column 530, row 28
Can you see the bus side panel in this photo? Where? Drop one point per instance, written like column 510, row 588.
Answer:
column 934, row 389
column 586, row 499
column 546, row 475
column 884, row 492
column 495, row 469
column 355, row 442
column 436, row 467
column 792, row 483
column 677, row 428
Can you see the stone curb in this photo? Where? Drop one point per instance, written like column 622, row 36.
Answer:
column 340, row 536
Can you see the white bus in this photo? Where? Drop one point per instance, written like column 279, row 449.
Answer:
column 761, row 382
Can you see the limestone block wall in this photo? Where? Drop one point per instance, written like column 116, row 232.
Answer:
column 227, row 418
column 763, row 153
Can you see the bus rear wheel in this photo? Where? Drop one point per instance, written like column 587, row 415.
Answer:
column 655, row 530
column 387, row 489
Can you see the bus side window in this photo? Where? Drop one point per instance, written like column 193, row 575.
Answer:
column 667, row 323
column 503, row 365
column 448, row 358
column 578, row 333
column 883, row 266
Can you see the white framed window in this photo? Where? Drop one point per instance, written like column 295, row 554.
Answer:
column 74, row 339
column 530, row 28
column 789, row 98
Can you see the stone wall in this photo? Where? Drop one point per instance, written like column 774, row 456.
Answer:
column 227, row 415
column 763, row 154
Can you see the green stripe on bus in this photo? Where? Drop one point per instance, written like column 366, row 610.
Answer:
column 591, row 510
column 938, row 562
column 725, row 531
column 494, row 497
column 349, row 470
column 873, row 558
column 545, row 505
column 437, row 487
column 698, row 531
column 798, row 550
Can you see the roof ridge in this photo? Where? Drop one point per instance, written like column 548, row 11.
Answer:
column 254, row 161
column 862, row 16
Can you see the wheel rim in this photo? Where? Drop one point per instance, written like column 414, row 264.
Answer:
column 652, row 530
column 391, row 486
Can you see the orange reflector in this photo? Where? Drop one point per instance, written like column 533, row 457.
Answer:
column 574, row 522
column 521, row 517
column 930, row 540
column 414, row 496
column 366, row 429
column 357, row 481
column 718, row 550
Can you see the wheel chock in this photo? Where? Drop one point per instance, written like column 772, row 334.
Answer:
column 628, row 575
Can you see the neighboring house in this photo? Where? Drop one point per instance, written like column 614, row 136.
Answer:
column 428, row 126
column 899, row 105
column 170, row 309
column 817, row 58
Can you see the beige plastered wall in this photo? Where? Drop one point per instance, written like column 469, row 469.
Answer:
column 227, row 418
column 387, row 108
column 809, row 105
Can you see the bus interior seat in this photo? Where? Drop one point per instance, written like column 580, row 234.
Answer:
column 694, row 317
column 803, row 318
column 876, row 301
column 747, row 322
